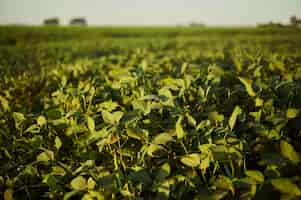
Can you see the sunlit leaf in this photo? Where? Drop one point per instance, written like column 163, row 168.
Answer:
column 237, row 111
column 292, row 113
column 179, row 129
column 285, row 185
column 248, row 85
column 288, row 151
column 255, row 175
column 79, row 183
column 191, row 160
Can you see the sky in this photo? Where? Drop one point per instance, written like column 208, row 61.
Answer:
column 150, row 12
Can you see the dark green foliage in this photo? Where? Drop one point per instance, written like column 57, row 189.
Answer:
column 150, row 113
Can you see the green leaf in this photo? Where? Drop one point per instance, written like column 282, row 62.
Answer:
column 258, row 102
column 41, row 121
column 163, row 172
column 191, row 120
column 93, row 137
column 215, row 117
column 19, row 118
column 257, row 176
column 191, row 160
column 166, row 97
column 91, row 184
column 135, row 133
column 248, row 85
column 112, row 118
column 162, row 138
column 223, row 182
column 45, row 156
column 57, row 142
column 288, row 151
column 79, row 183
column 152, row 148
column 292, row 113
column 286, row 186
column 237, row 111
column 91, row 124
column 4, row 103
column 179, row 129
column 33, row 129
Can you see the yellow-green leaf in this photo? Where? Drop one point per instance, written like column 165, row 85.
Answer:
column 4, row 103
column 41, row 121
column 191, row 160
column 237, row 111
column 79, row 183
column 288, row 151
column 286, row 186
column 255, row 175
column 45, row 156
column 292, row 113
column 179, row 129
column 57, row 142
column 248, row 85
column 91, row 124
column 162, row 138
column 91, row 184
column 112, row 118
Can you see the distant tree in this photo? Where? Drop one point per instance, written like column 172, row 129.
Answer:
column 196, row 24
column 52, row 21
column 271, row 25
column 295, row 21
column 78, row 22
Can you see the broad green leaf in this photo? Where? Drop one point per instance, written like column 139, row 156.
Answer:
column 162, row 138
column 4, row 103
column 166, row 97
column 79, row 183
column 237, row 111
column 292, row 113
column 163, row 172
column 286, row 186
column 33, row 129
column 93, row 137
column 19, row 118
column 41, row 121
column 179, row 129
column 255, row 175
column 258, row 102
column 256, row 115
column 288, row 151
column 184, row 67
column 152, row 148
column 91, row 184
column 164, row 190
column 135, row 133
column 205, row 163
column 45, row 156
column 191, row 160
column 215, row 116
column 108, row 106
column 57, row 142
column 191, row 120
column 112, row 118
column 91, row 195
column 223, row 182
column 91, row 124
column 248, row 85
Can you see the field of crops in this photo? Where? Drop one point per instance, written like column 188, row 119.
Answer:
column 150, row 113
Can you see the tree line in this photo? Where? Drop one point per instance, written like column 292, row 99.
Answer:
column 80, row 21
